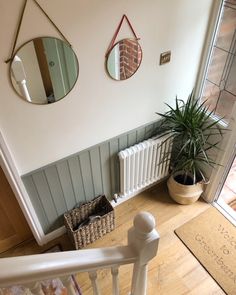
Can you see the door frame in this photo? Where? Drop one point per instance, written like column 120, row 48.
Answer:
column 9, row 168
column 228, row 145
column 210, row 193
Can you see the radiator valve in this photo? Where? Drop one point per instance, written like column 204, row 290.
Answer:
column 115, row 197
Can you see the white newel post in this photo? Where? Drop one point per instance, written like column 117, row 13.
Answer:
column 144, row 238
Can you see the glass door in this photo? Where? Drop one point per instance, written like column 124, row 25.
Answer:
column 219, row 91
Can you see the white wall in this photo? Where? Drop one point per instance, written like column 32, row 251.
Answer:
column 98, row 107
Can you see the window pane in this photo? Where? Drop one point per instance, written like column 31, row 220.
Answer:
column 225, row 104
column 231, row 79
column 220, row 84
column 211, row 94
column 217, row 65
column 227, row 28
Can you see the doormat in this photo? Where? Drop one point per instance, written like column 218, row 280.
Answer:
column 212, row 240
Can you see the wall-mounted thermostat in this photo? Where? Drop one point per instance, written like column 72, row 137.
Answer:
column 165, row 57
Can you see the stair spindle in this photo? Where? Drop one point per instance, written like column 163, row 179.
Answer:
column 94, row 282
column 69, row 285
column 115, row 280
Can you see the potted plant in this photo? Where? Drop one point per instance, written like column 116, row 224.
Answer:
column 195, row 135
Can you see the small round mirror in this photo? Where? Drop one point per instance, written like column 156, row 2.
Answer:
column 124, row 59
column 44, row 70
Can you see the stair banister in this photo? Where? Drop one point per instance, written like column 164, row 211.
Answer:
column 142, row 247
column 144, row 239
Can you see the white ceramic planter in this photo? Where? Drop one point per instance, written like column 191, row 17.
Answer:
column 184, row 194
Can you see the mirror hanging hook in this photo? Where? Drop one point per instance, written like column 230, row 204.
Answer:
column 19, row 26
column 17, row 32
column 117, row 31
column 56, row 27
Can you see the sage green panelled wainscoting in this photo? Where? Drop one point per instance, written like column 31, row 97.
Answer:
column 58, row 187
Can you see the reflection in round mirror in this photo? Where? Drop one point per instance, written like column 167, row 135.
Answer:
column 124, row 59
column 44, row 70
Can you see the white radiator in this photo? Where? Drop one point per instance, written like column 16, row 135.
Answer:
column 143, row 164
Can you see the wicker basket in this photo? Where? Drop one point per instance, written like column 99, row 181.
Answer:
column 93, row 230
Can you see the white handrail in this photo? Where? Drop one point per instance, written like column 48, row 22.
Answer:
column 25, row 269
column 142, row 247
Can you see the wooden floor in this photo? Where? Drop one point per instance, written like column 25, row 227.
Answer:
column 174, row 271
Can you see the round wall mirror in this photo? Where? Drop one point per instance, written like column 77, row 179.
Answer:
column 44, row 70
column 124, row 59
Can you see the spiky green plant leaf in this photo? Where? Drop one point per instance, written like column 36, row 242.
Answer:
column 192, row 128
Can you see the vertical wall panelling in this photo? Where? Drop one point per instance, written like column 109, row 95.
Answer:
column 44, row 192
column 105, row 164
column 123, row 142
column 114, row 166
column 56, row 189
column 149, row 130
column 87, row 178
column 96, row 171
column 132, row 138
column 155, row 125
column 60, row 186
column 140, row 134
column 76, row 178
column 36, row 202
column 66, row 183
